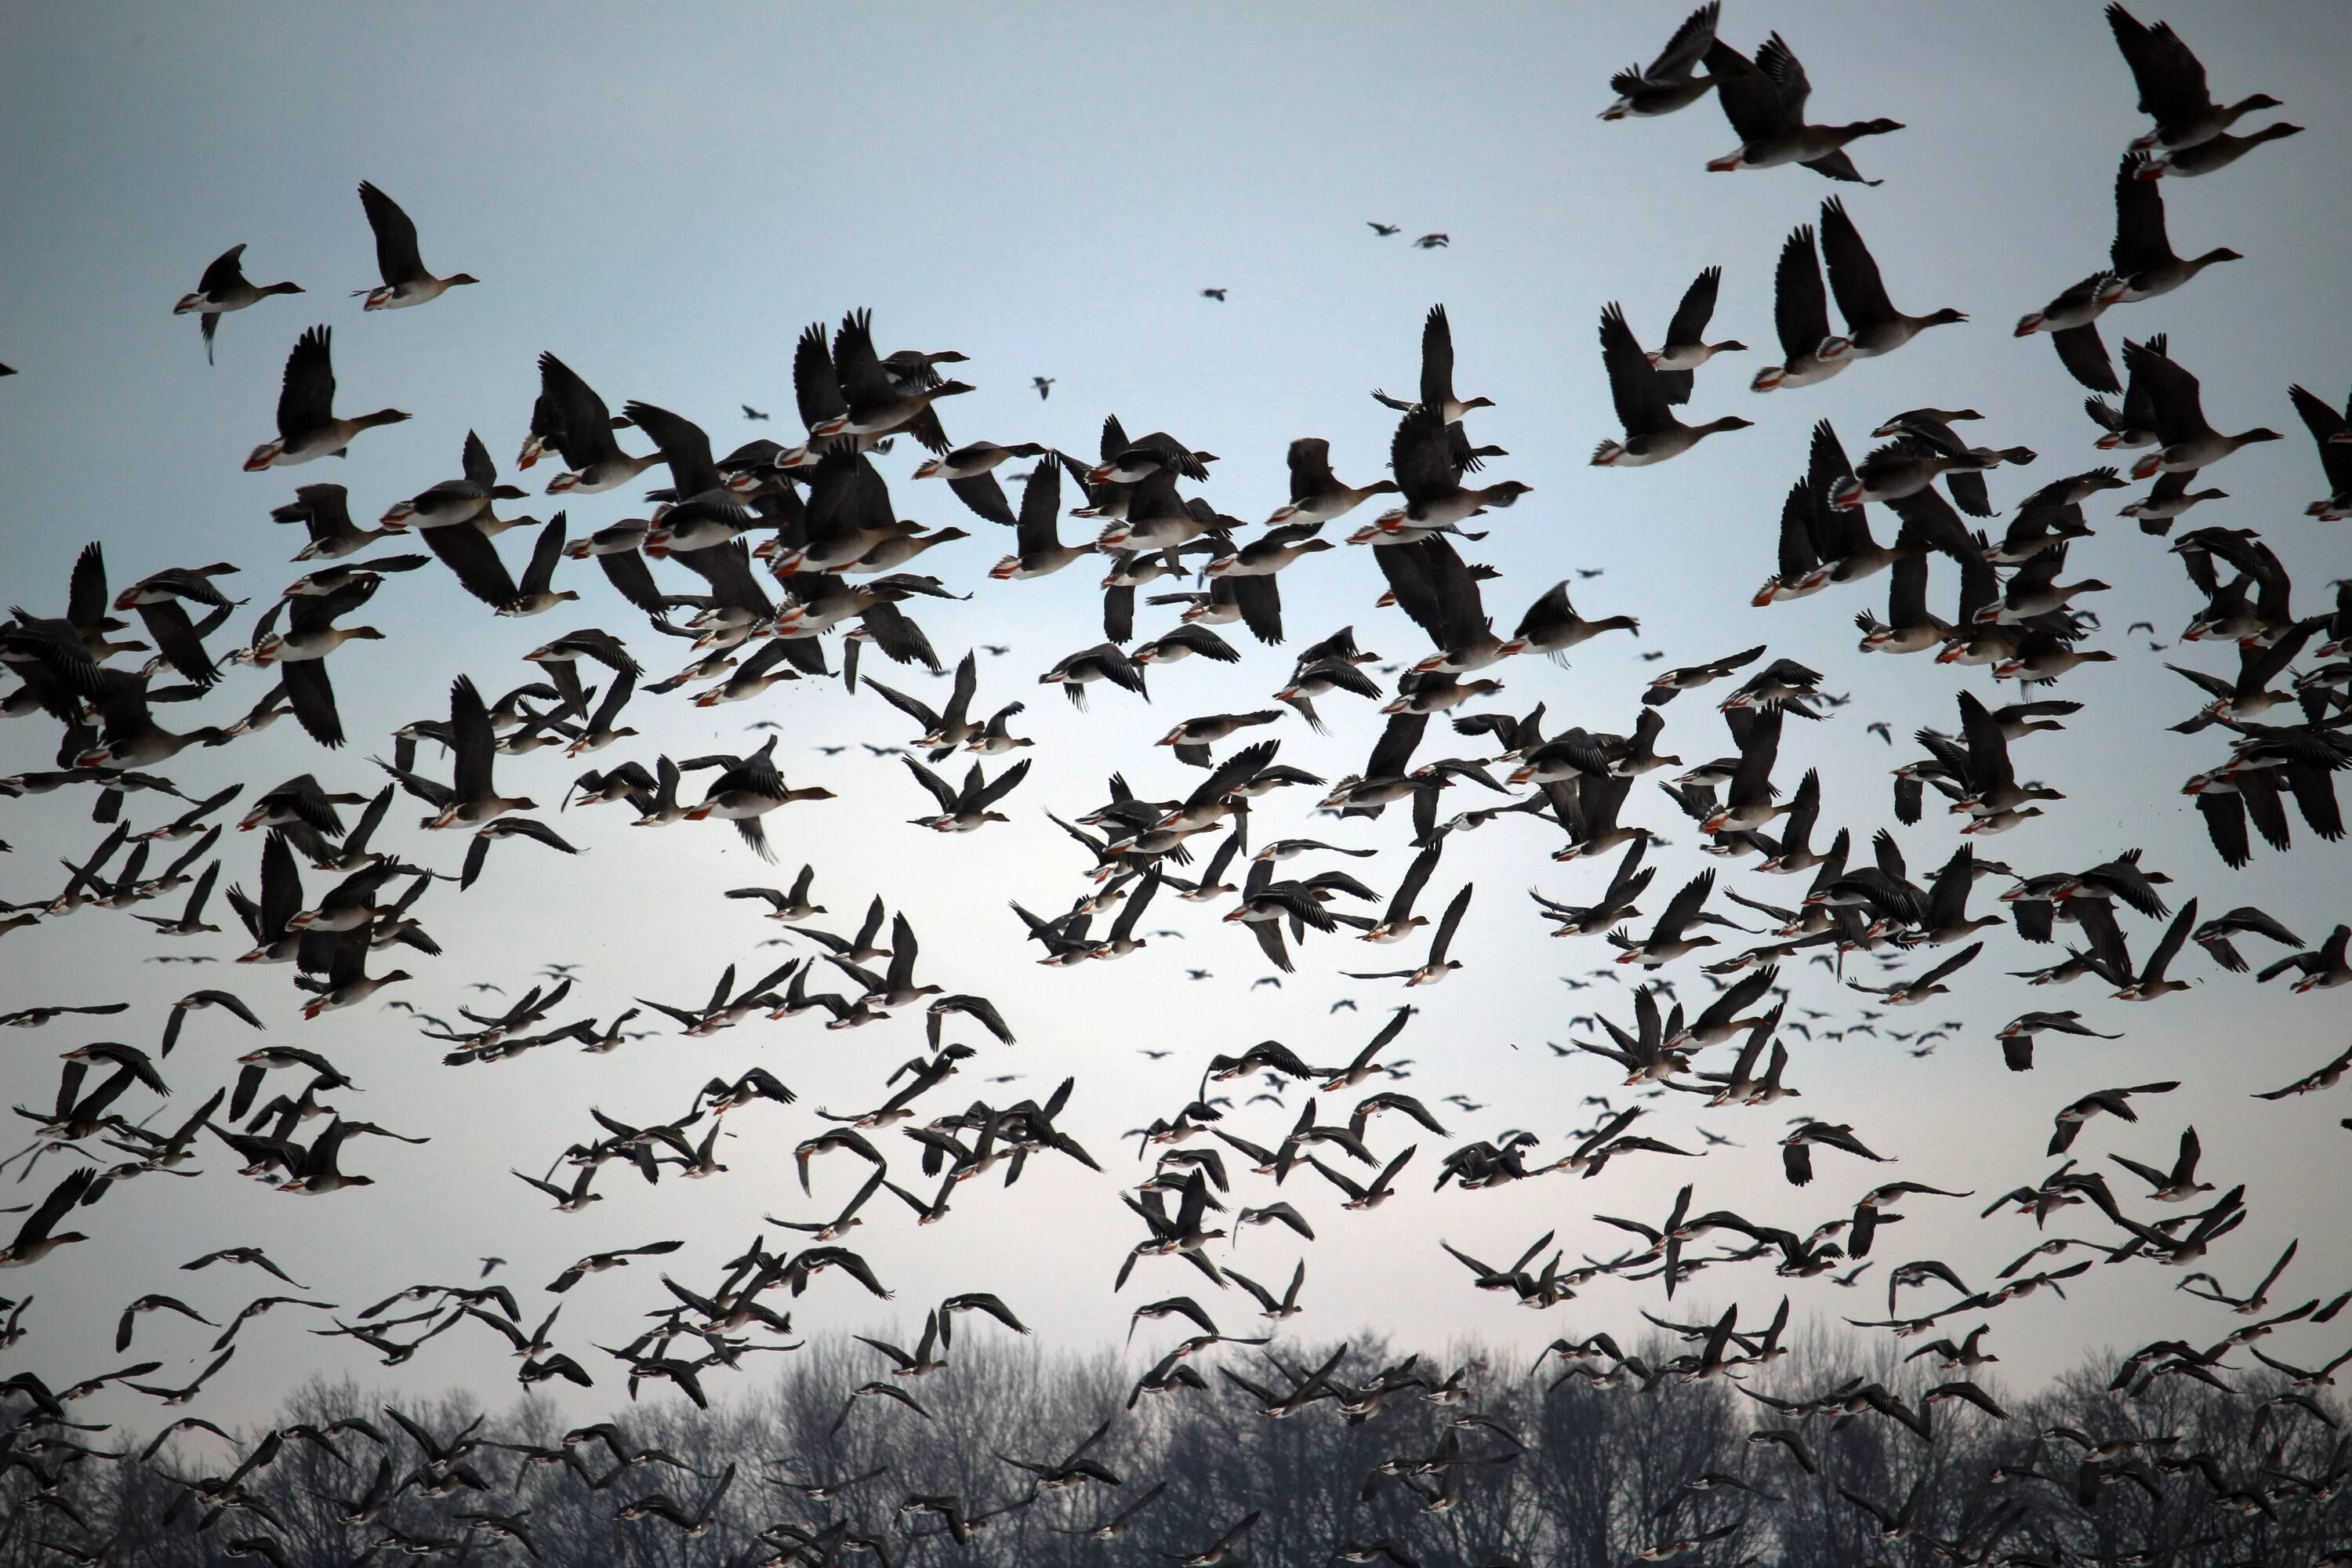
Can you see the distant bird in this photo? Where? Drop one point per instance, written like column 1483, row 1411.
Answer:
column 1216, row 294
column 1045, row 385
column 1382, row 229
column 1432, row 242
column 751, row 413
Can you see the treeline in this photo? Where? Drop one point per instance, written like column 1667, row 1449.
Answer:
column 1604, row 1466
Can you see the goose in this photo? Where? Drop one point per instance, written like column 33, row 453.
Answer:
column 1750, row 786
column 1686, row 348
column 405, row 281
column 454, row 502
column 203, row 1000
column 2216, row 152
column 1038, row 548
column 1765, row 102
column 1652, row 434
column 2332, row 432
column 2322, row 969
column 1316, row 493
column 1429, row 474
column 1910, row 627
column 347, row 984
column 996, row 737
column 962, row 811
column 1668, row 85
column 38, row 1236
column 2214, row 936
column 600, row 731
column 1872, row 324
column 1615, row 906
column 1436, row 367
column 1192, row 738
column 2072, row 321
column 878, row 405
column 470, row 800
column 2177, row 1185
column 307, row 427
column 1185, row 642
column 1669, row 938
column 2171, row 82
column 224, row 288
column 1365, row 1195
column 1126, row 463
column 570, row 417
column 942, row 732
column 748, row 789
column 191, row 917
column 1553, row 627
column 1318, row 680
column 129, row 736
column 2150, row 982
column 2142, row 254
column 1270, row 552
column 970, row 472
column 2188, row 443
column 1810, row 352
column 324, row 511
column 1104, row 661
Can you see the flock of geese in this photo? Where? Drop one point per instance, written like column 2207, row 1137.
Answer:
column 782, row 562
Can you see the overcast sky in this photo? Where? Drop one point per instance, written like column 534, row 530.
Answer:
column 665, row 199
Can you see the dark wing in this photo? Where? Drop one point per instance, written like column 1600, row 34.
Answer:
column 311, row 695
column 1750, row 100
column 586, row 432
column 225, row 271
column 471, row 738
column 544, row 553
column 1854, row 274
column 2140, row 240
column 2173, row 393
column 2171, row 80
column 468, row 552
column 1041, row 507
column 1689, row 42
column 1632, row 380
column 930, row 780
column 1791, row 86
column 307, row 400
column 1437, row 360
column 1450, row 923
column 395, row 237
column 858, row 367
column 2085, row 355
column 1423, row 457
column 684, row 447
column 1697, row 307
column 2324, row 425
column 815, row 388
column 1003, row 786
column 1310, row 468
column 1801, row 303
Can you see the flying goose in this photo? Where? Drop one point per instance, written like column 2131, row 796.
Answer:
column 1652, row 434
column 307, row 427
column 224, row 288
column 405, row 281
column 1668, row 85
column 1764, row 99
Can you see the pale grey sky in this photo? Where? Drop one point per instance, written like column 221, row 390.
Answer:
column 665, row 199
